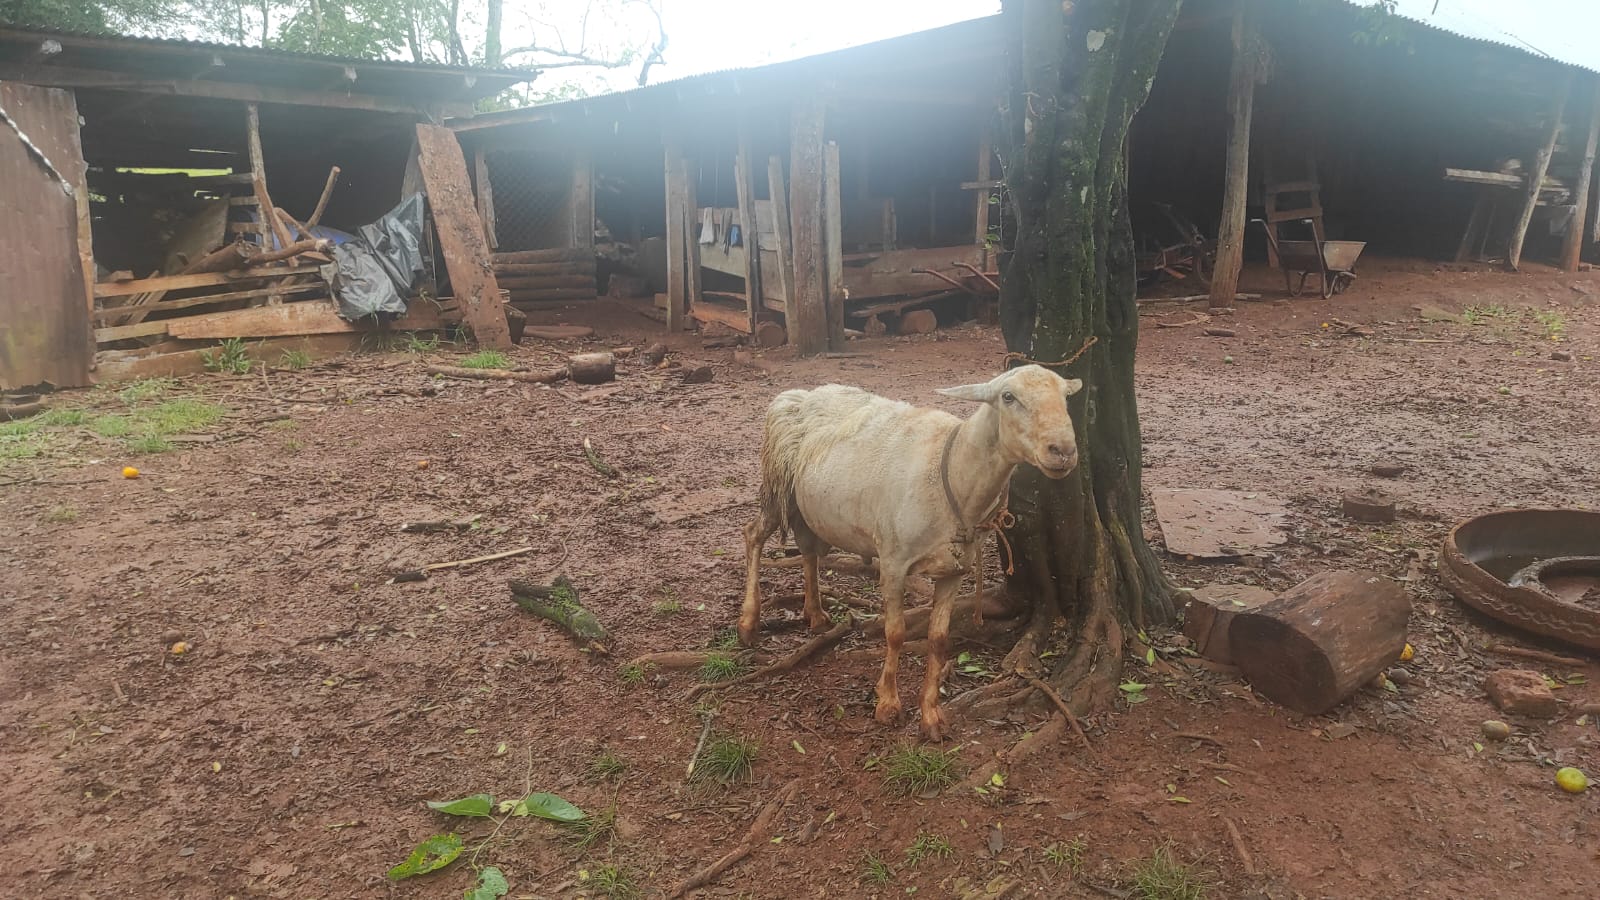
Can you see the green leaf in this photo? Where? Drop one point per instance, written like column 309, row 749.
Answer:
column 1150, row 656
column 997, row 780
column 1131, row 687
column 549, row 806
column 491, row 885
column 1179, row 800
column 476, row 805
column 432, row 854
column 1135, row 699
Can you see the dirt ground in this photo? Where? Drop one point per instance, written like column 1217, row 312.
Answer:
column 288, row 752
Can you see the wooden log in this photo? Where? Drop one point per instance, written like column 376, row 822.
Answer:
column 1211, row 612
column 592, row 368
column 559, row 332
column 708, row 312
column 1577, row 231
column 808, row 311
column 522, row 294
column 918, row 321
column 544, row 282
column 1321, row 640
column 310, row 317
column 558, row 603
column 525, row 270
column 1242, row 78
column 461, row 243
column 770, row 334
column 322, row 201
column 553, row 254
column 1541, row 165
column 21, row 411
column 480, row 172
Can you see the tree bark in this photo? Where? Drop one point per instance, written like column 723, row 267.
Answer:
column 1079, row 72
column 491, row 34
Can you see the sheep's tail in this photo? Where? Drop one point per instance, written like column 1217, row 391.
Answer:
column 780, row 454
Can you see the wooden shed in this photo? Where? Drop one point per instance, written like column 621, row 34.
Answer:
column 126, row 160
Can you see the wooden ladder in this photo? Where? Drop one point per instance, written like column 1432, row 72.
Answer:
column 1293, row 201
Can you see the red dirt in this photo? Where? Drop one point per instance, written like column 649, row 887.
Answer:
column 287, row 754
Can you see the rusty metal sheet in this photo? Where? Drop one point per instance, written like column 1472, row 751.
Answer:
column 1211, row 524
column 45, row 293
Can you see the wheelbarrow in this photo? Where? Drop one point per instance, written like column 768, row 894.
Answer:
column 1333, row 261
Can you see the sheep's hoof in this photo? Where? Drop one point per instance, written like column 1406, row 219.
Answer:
column 888, row 713
column 934, row 723
column 749, row 637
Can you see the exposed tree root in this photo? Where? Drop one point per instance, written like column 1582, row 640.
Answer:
column 1053, row 732
column 828, row 563
column 811, row 651
column 760, row 831
column 1065, row 711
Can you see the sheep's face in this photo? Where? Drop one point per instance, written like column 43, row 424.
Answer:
column 1031, row 405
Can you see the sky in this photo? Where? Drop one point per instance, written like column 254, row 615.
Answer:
column 1568, row 30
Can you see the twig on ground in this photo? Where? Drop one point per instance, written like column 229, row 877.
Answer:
column 1544, row 656
column 422, row 573
column 498, row 374
column 694, row 758
column 1239, row 847
column 599, row 464
column 758, row 834
column 1202, row 738
column 437, row 526
column 1061, row 704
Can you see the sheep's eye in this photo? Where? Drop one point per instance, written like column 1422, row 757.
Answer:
column 1008, row 397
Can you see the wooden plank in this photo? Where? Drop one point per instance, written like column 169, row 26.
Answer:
column 749, row 228
column 582, row 200
column 199, row 234
column 692, row 232
column 890, row 274
column 1499, row 179
column 510, row 283
column 208, row 299
column 833, row 245
column 124, row 332
column 1572, row 246
column 808, row 326
column 554, row 268
column 204, row 279
column 1242, row 78
column 554, row 254
column 461, row 244
column 310, row 317
column 72, row 77
column 729, row 262
column 736, row 319
column 480, row 166
column 677, row 238
column 785, row 241
column 988, row 186
column 1541, row 165
column 554, row 294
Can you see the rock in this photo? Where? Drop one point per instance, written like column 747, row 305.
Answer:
column 874, row 327
column 697, row 375
column 655, row 353
column 918, row 321
column 1521, row 692
column 623, row 352
column 1561, row 355
column 1387, row 469
column 1221, row 332
column 1398, row 675
column 1370, row 505
column 1495, row 730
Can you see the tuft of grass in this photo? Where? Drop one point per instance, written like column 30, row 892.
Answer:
column 111, row 426
column 913, row 769
column 1162, row 876
column 599, row 828
column 24, row 446
column 928, row 846
column 874, row 870
column 486, row 359
column 294, row 359
column 726, row 758
column 1554, row 323
column 612, row 881
column 50, row 418
column 421, row 345
column 230, row 358
column 146, row 389
column 1480, row 314
column 631, row 675
column 149, row 443
column 720, row 667
column 607, row 765
column 726, row 640
column 666, row 608
column 1068, row 855
column 61, row 515
column 177, row 416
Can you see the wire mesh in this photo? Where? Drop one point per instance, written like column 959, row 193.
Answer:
column 532, row 201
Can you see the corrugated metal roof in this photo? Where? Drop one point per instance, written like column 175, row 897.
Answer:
column 1565, row 34
column 264, row 54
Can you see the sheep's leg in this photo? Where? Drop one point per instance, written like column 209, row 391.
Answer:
column 892, row 585
column 944, row 595
column 755, row 536
column 812, row 549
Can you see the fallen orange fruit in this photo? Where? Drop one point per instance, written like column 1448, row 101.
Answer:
column 422, row 464
column 130, row 472
column 180, row 648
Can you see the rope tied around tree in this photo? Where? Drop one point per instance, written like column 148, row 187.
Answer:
column 1015, row 357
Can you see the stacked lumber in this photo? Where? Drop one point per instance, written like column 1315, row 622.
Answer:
column 535, row 276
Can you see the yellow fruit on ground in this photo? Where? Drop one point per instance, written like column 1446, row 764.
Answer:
column 1408, row 653
column 180, row 648
column 130, row 472
column 1571, row 780
column 422, row 464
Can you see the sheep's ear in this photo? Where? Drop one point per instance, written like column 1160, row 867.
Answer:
column 977, row 393
column 1072, row 386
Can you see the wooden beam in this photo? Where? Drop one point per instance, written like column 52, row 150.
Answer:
column 310, row 317
column 691, row 210
column 808, row 328
column 181, row 282
column 749, row 231
column 677, row 237
column 1541, row 165
column 480, row 168
column 1577, row 230
column 124, row 332
column 985, row 178
column 780, row 219
column 833, row 245
column 63, row 77
column 1242, row 78
column 461, row 243
column 508, row 270
column 727, row 315
column 893, row 272
column 208, row 299
column 582, row 200
column 550, row 255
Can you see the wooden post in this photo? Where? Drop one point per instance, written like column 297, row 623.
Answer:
column 1572, row 249
column 461, row 244
column 780, row 223
column 749, row 231
column 677, row 239
column 981, row 218
column 691, row 214
column 808, row 329
column 1541, row 167
column 833, row 244
column 1241, row 103
column 480, row 168
column 583, row 199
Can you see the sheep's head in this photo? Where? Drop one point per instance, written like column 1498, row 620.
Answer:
column 1030, row 404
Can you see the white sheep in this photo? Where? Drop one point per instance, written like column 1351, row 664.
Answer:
column 844, row 468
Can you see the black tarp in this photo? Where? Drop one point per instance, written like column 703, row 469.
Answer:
column 378, row 271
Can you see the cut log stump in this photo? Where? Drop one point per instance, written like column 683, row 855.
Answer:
column 1321, row 640
column 918, row 321
column 592, row 368
column 770, row 334
column 1211, row 612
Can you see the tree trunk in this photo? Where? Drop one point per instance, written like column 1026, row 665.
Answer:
column 491, row 34
column 1079, row 72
